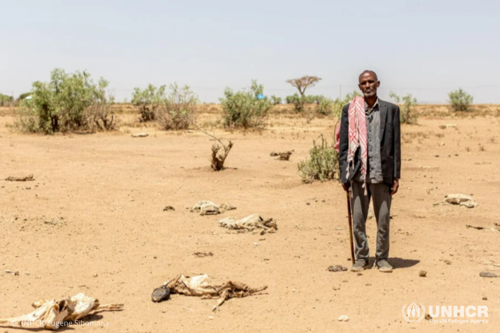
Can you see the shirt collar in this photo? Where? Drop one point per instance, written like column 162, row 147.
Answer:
column 374, row 107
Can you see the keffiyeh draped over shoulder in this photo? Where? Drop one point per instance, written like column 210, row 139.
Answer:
column 358, row 136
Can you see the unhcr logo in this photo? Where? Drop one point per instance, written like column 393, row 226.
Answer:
column 413, row 313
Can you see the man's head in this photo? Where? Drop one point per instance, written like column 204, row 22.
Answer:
column 369, row 83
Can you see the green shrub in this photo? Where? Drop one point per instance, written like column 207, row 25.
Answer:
column 243, row 109
column 322, row 164
column 275, row 100
column 408, row 114
column 460, row 100
column 68, row 102
column 326, row 106
column 296, row 100
column 5, row 100
column 173, row 109
column 177, row 111
column 148, row 101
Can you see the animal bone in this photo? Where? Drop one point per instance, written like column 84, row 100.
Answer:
column 226, row 206
column 249, row 223
column 202, row 286
column 50, row 314
column 205, row 207
column 460, row 199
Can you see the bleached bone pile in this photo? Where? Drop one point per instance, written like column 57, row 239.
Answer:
column 205, row 207
column 250, row 223
column 50, row 314
column 202, row 286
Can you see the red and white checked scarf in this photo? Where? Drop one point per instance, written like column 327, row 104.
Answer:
column 358, row 136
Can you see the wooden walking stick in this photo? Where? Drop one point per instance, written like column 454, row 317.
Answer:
column 350, row 227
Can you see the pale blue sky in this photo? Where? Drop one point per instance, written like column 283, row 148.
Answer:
column 425, row 47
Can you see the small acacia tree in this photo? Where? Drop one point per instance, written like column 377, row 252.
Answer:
column 243, row 108
column 302, row 84
column 408, row 114
column 68, row 102
column 460, row 100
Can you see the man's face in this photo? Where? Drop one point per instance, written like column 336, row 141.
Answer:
column 368, row 84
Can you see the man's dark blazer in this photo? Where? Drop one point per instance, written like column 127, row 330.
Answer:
column 390, row 144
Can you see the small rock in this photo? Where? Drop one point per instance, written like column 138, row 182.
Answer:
column 168, row 209
column 360, row 274
column 337, row 268
column 422, row 273
column 488, row 275
column 447, row 262
column 343, row 318
column 428, row 316
column 485, row 298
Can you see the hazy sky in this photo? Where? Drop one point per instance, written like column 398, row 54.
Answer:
column 426, row 47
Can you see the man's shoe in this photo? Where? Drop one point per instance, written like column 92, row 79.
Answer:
column 359, row 266
column 383, row 266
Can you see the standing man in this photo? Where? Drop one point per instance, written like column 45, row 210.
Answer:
column 370, row 166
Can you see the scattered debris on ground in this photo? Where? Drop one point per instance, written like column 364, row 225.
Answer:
column 28, row 178
column 54, row 222
column 343, row 318
column 8, row 271
column 250, row 223
column 422, row 273
column 428, row 317
column 140, row 135
column 168, row 209
column 488, row 275
column 447, row 126
column 460, row 199
column 285, row 156
column 50, row 314
column 337, row 268
column 203, row 254
column 468, row 226
column 202, row 286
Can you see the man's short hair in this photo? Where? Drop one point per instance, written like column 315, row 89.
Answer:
column 369, row 71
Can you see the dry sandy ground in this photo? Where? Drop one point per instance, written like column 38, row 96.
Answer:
column 109, row 237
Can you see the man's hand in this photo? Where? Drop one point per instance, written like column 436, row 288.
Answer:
column 346, row 186
column 395, row 186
